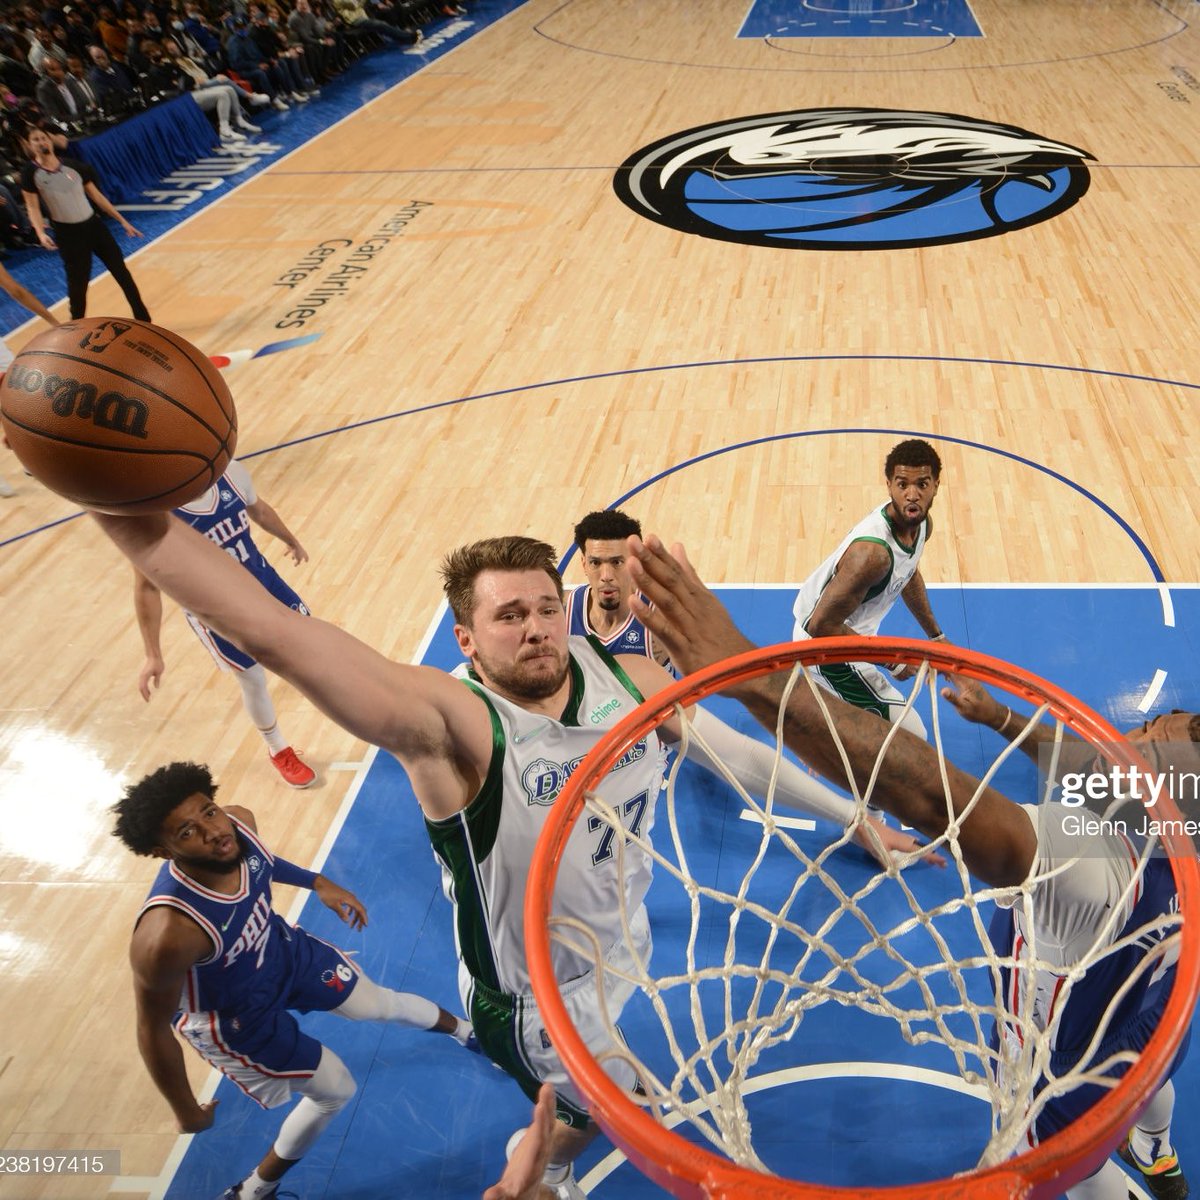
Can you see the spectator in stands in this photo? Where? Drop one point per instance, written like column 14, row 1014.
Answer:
column 135, row 57
column 15, row 72
column 79, row 32
column 60, row 97
column 44, row 46
column 215, row 95
column 113, row 33
column 152, row 27
column 69, row 191
column 16, row 232
column 116, row 93
column 196, row 26
column 246, row 60
column 285, row 57
column 202, row 80
column 77, row 71
column 355, row 16
column 306, row 30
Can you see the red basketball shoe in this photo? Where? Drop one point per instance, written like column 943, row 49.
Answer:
column 295, row 773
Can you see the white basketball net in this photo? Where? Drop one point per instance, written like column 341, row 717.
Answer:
column 770, row 980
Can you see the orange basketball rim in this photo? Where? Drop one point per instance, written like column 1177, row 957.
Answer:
column 692, row 1172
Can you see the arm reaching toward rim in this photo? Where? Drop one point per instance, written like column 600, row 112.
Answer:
column 998, row 842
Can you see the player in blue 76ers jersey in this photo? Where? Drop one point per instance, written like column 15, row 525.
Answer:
column 601, row 607
column 224, row 514
column 213, row 959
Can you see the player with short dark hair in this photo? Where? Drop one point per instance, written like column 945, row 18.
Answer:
column 874, row 565
column 600, row 608
column 212, row 959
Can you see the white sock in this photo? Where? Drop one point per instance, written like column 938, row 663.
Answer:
column 1150, row 1138
column 462, row 1031
column 257, row 702
column 256, row 1188
column 556, row 1173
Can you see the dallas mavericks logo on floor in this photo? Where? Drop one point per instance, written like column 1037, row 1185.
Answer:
column 852, row 179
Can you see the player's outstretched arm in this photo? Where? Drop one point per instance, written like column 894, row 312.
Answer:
column 998, row 842
column 437, row 727
column 165, row 946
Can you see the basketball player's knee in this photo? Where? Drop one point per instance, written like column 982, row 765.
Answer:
column 331, row 1086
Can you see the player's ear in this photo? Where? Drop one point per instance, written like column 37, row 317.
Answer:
column 466, row 642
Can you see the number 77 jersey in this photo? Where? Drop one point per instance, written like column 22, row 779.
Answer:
column 485, row 849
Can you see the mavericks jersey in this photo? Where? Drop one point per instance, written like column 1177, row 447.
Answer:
column 866, row 618
column 632, row 637
column 249, row 966
column 485, row 850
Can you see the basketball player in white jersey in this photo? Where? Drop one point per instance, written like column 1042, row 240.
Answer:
column 1003, row 844
column 224, row 514
column 601, row 606
column 876, row 563
column 487, row 750
column 23, row 296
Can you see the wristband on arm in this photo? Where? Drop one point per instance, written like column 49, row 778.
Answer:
column 287, row 872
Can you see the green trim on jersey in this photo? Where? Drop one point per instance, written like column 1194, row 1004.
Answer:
column 881, row 586
column 570, row 714
column 853, row 688
column 465, row 839
column 909, row 550
column 615, row 667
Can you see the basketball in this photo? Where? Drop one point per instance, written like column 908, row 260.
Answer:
column 119, row 416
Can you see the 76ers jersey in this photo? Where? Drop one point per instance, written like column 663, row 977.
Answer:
column 220, row 514
column 1071, row 910
column 632, row 637
column 250, row 966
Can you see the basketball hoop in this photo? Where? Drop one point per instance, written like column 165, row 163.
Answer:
column 686, row 1169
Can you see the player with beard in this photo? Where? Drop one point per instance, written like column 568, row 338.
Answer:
column 877, row 562
column 487, row 749
column 601, row 607
column 213, row 959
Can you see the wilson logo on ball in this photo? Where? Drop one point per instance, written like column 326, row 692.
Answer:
column 122, row 414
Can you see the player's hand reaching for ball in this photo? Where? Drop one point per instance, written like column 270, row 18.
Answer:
column 344, row 903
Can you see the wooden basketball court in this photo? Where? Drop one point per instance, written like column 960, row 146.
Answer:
column 504, row 345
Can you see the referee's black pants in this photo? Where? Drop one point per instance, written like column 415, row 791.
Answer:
column 77, row 242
